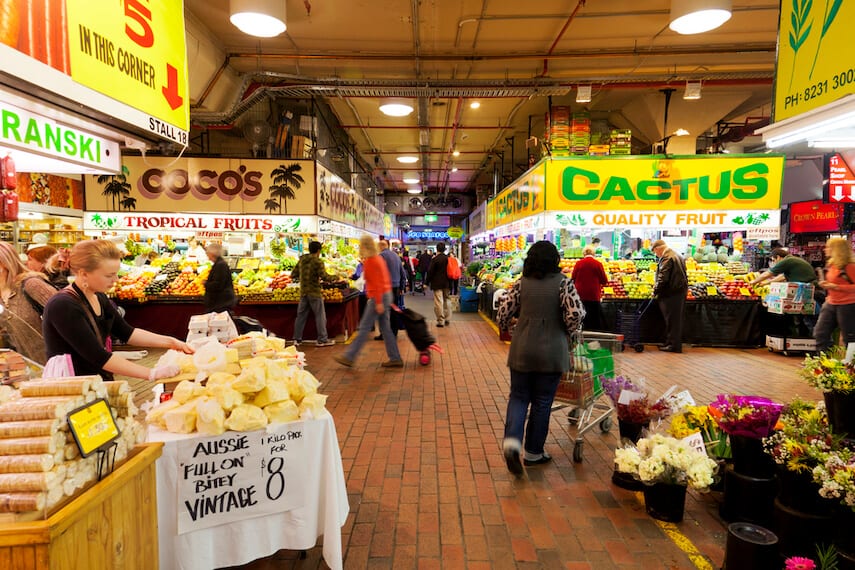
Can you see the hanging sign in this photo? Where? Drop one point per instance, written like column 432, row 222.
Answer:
column 455, row 232
column 198, row 224
column 339, row 202
column 237, row 476
column 93, row 427
column 131, row 51
column 652, row 183
column 523, row 198
column 813, row 67
column 841, row 181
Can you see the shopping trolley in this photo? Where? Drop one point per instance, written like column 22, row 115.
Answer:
column 628, row 323
column 591, row 360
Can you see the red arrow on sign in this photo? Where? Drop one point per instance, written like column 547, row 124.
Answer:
column 170, row 92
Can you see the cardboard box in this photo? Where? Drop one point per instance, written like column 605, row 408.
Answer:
column 795, row 344
column 784, row 307
column 799, row 292
column 301, row 147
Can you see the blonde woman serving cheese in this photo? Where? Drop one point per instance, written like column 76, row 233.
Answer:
column 80, row 320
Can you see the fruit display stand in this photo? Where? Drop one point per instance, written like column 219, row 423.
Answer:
column 111, row 525
column 171, row 315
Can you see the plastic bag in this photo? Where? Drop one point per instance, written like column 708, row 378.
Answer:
column 210, row 356
column 59, row 366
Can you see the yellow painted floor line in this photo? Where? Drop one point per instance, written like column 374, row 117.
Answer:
column 681, row 541
column 492, row 325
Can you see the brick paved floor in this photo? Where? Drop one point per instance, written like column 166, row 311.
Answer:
column 428, row 486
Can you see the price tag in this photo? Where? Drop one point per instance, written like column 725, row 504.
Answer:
column 680, row 401
column 627, row 396
column 712, row 290
column 609, row 290
column 744, row 291
column 696, row 442
column 93, row 427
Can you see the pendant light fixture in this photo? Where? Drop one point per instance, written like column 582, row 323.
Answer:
column 395, row 107
column 698, row 16
column 260, row 18
column 411, row 178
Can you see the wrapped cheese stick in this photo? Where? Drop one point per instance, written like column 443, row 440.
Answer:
column 28, row 429
column 116, row 387
column 71, row 451
column 29, row 445
column 18, row 482
column 42, row 408
column 54, row 496
column 26, row 463
column 54, row 388
column 21, row 502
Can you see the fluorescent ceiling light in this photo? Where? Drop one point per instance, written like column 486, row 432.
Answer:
column 475, row 104
column 454, row 169
column 260, row 18
column 455, row 153
column 411, row 178
column 408, row 159
column 680, row 133
column 698, row 16
column 693, row 90
column 414, row 190
column 395, row 107
column 583, row 94
column 832, row 143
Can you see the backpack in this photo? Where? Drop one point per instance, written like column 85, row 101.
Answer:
column 452, row 270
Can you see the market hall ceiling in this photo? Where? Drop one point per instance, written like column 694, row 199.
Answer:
column 510, row 56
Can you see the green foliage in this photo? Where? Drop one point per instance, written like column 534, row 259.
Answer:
column 799, row 28
column 826, row 557
column 473, row 268
column 830, row 14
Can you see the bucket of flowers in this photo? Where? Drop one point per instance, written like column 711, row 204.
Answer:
column 802, row 438
column 747, row 420
column 635, row 408
column 835, row 474
column 830, row 373
column 666, row 466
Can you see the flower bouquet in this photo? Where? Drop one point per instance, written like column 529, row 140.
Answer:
column 664, row 459
column 697, row 419
column 639, row 409
column 749, row 416
column 836, row 476
column 803, row 436
column 828, row 371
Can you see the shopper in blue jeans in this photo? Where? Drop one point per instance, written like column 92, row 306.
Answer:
column 548, row 312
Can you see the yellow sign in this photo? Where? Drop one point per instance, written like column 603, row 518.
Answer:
column 491, row 215
column 521, row 199
column 198, row 185
column 92, row 426
column 609, row 290
column 712, row 290
column 455, row 232
column 338, row 201
column 134, row 52
column 658, row 183
column 744, row 291
column 814, row 66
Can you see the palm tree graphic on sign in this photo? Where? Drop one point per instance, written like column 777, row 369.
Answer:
column 128, row 203
column 116, row 186
column 285, row 181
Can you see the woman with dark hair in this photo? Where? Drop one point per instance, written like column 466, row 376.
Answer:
column 548, row 312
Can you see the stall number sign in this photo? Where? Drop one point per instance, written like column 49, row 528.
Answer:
column 238, row 476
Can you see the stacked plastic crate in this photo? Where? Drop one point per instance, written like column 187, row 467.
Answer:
column 580, row 133
column 558, row 130
column 620, row 142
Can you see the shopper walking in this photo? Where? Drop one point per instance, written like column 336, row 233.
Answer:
column 838, row 311
column 589, row 277
column 548, row 312
column 310, row 272
column 409, row 269
column 437, row 278
column 219, row 289
column 398, row 278
column 454, row 273
column 424, row 265
column 378, row 290
column 670, row 290
column 24, row 294
column 80, row 320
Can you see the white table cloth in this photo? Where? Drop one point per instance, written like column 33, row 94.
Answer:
column 324, row 512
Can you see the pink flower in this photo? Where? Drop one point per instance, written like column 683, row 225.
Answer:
column 799, row 563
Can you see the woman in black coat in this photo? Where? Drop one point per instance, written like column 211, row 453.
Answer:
column 219, row 290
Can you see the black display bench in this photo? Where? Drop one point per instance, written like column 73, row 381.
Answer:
column 708, row 322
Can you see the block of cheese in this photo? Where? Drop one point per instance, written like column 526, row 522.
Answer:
column 246, row 417
column 280, row 412
column 227, row 397
column 182, row 419
column 312, row 406
column 187, row 390
column 302, row 384
column 251, row 380
column 210, row 417
column 220, row 379
column 273, row 392
column 155, row 416
column 231, row 355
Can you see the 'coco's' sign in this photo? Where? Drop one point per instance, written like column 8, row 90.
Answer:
column 228, row 184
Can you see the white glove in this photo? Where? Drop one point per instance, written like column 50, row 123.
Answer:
column 166, row 371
